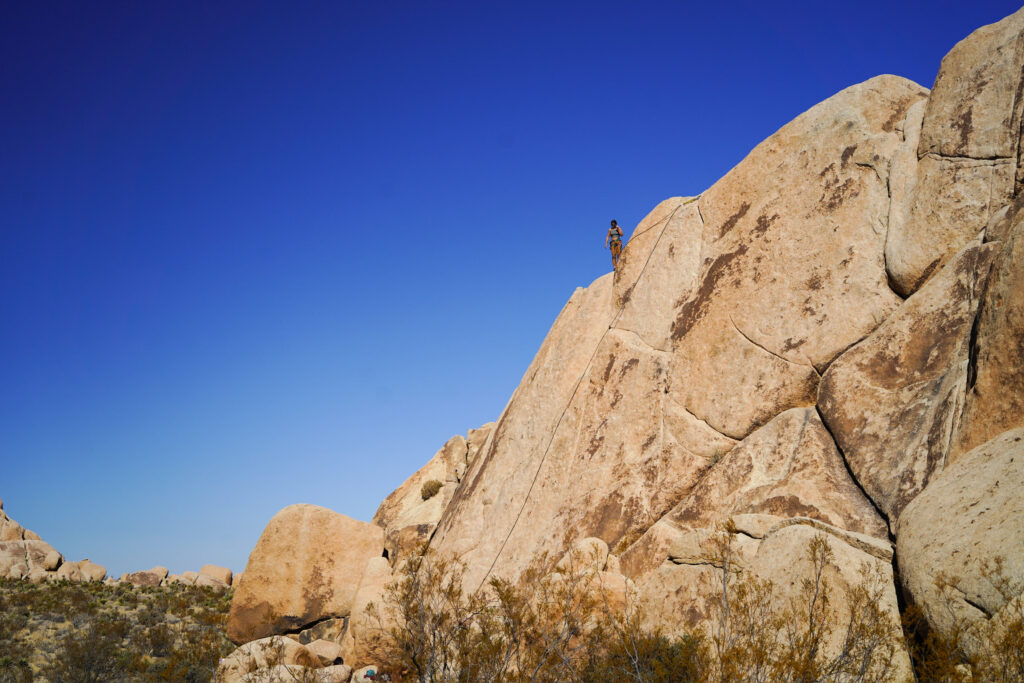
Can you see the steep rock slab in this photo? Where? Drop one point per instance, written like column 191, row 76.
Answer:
column 498, row 482
column 995, row 399
column 953, row 200
column 788, row 468
column 659, row 266
column 974, row 108
column 407, row 518
column 609, row 430
column 792, row 268
column 306, row 566
column 892, row 401
column 969, row 147
column 679, row 595
column 969, row 514
column 613, row 466
column 476, row 439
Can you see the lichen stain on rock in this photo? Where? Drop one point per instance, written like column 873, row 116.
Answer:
column 694, row 310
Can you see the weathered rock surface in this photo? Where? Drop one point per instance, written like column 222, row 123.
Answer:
column 277, row 659
column 968, row 515
column 12, row 531
column 788, row 468
column 995, row 398
column 753, row 359
column 893, row 400
column 221, row 574
column 660, row 267
column 634, row 395
column 326, row 651
column 364, row 640
column 792, row 270
column 23, row 555
column 968, row 152
column 27, row 560
column 83, row 570
column 306, row 566
column 150, row 577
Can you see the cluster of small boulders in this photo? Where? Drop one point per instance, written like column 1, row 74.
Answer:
column 279, row 658
column 210, row 576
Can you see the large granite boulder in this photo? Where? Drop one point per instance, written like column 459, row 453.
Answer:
column 305, row 567
column 968, row 152
column 969, row 514
column 792, row 269
column 32, row 560
column 149, row 578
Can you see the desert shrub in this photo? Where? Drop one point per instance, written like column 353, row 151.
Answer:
column 756, row 636
column 545, row 628
column 649, row 657
column 557, row 626
column 70, row 632
column 14, row 670
column 430, row 489
column 90, row 655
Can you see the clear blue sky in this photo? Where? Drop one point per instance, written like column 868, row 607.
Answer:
column 255, row 254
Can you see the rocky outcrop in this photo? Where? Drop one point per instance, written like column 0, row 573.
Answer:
column 305, row 567
column 150, row 577
column 23, row 555
column 630, row 410
column 407, row 517
column 788, row 468
column 276, row 658
column 824, row 344
column 968, row 516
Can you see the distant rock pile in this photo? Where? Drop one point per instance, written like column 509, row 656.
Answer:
column 210, row 576
column 23, row 555
column 828, row 341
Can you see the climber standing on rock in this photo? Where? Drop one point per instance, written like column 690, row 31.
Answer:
column 615, row 237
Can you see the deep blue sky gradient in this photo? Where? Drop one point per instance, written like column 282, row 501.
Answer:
column 253, row 253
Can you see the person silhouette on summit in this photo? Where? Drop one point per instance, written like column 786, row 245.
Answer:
column 615, row 237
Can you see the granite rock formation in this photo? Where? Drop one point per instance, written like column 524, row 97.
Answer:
column 826, row 343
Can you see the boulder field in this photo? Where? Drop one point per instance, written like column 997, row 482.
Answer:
column 827, row 341
column 24, row 555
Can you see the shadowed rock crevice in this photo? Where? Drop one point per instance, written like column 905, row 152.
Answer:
column 853, row 477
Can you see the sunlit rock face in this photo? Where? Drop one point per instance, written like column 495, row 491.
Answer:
column 826, row 343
